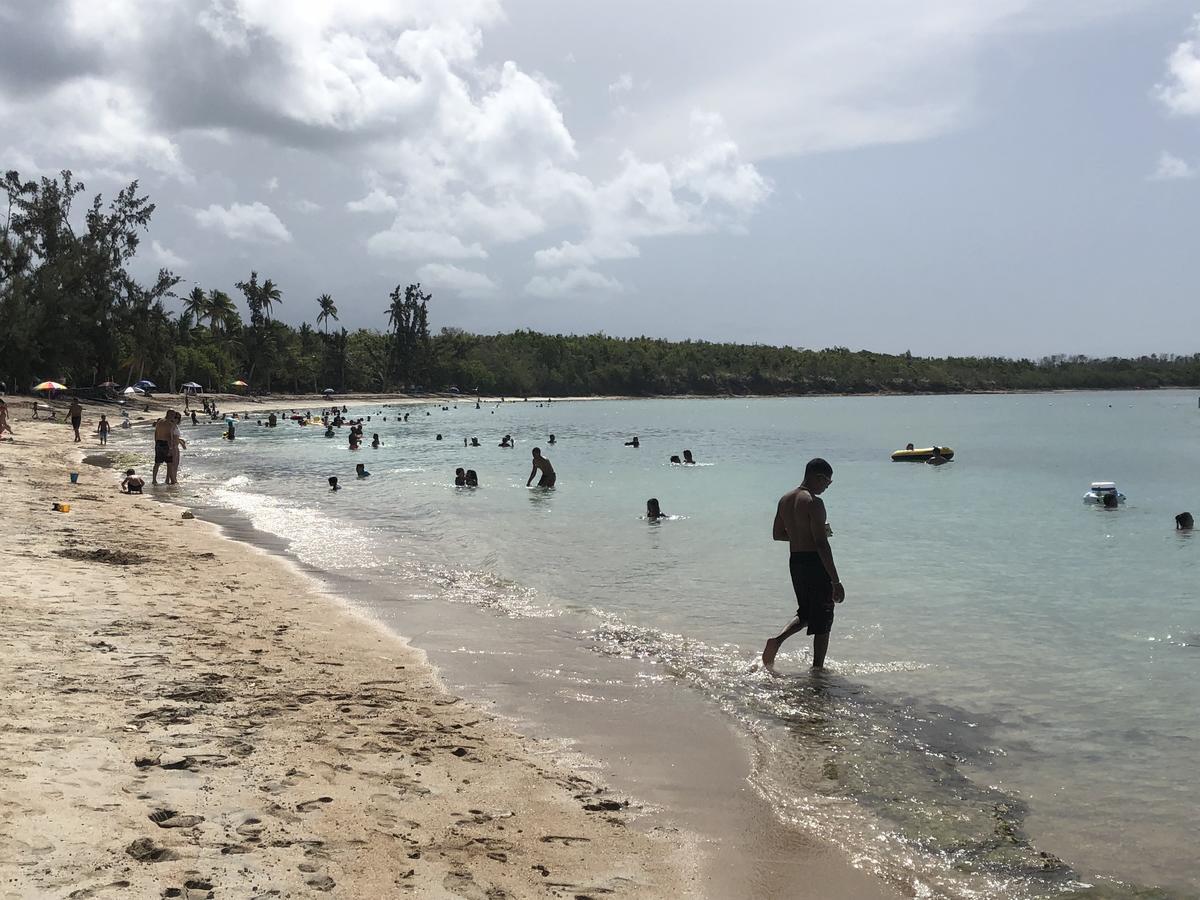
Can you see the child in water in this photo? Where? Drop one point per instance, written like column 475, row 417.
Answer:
column 653, row 511
column 131, row 484
column 333, row 485
column 361, row 471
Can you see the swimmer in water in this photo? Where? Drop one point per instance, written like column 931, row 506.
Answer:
column 634, row 443
column 1184, row 522
column 675, row 461
column 687, row 458
column 460, row 477
column 375, row 445
column 653, row 511
column 361, row 471
column 333, row 485
column 472, row 478
column 552, row 440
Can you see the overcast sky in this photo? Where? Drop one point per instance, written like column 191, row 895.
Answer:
column 1010, row 177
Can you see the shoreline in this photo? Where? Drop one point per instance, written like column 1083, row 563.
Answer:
column 230, row 766
column 191, row 715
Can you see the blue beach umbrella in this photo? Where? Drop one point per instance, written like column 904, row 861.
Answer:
column 145, row 383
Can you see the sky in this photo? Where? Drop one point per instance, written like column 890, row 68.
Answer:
column 1011, row 177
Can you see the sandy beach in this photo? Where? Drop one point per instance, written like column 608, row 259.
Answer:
column 186, row 716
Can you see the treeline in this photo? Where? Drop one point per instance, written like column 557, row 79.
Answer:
column 70, row 311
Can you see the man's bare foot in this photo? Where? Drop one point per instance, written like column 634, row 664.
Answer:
column 769, row 651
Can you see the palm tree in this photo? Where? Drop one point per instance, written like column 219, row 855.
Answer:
column 196, row 305
column 268, row 293
column 329, row 311
column 220, row 311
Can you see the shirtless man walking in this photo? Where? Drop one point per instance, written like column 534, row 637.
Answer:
column 801, row 521
column 162, row 446
column 541, row 464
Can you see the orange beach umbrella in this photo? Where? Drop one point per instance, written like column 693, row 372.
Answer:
column 50, row 386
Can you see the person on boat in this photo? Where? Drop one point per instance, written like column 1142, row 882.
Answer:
column 654, row 511
column 541, row 464
column 909, row 447
column 800, row 519
column 1184, row 522
column 937, row 459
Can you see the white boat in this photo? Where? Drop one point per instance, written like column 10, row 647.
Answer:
column 1101, row 489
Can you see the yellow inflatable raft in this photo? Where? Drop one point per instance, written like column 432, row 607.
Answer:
column 921, row 454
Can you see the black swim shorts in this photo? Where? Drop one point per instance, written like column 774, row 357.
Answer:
column 814, row 591
column 162, row 452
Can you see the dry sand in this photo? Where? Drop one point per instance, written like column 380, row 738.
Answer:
column 185, row 716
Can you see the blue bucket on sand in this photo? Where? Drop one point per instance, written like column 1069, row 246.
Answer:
column 74, row 478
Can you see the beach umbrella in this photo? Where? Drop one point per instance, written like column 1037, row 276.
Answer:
column 240, row 383
column 191, row 386
column 132, row 390
column 327, row 391
column 145, row 383
column 50, row 386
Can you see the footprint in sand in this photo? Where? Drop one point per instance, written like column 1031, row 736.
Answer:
column 310, row 805
column 168, row 818
column 193, row 889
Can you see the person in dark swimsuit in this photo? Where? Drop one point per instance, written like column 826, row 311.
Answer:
column 800, row 519
column 541, row 464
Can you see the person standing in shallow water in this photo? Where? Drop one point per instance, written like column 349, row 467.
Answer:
column 541, row 464
column 800, row 519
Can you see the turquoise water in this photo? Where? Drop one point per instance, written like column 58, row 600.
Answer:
column 1012, row 704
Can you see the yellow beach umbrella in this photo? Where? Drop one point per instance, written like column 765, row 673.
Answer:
column 50, row 386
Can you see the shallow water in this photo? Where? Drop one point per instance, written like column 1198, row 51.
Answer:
column 1011, row 702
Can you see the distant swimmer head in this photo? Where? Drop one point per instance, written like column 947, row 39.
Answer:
column 439, row 437
column 552, row 440
column 818, row 475
column 472, row 478
column 676, row 461
column 653, row 510
column 460, row 477
column 687, row 456
column 1184, row 522
column 1110, row 501
column 333, row 485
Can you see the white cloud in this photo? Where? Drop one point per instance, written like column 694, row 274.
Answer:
column 239, row 221
column 272, row 184
column 306, row 206
column 378, row 201
column 1180, row 93
column 465, row 282
column 623, row 84
column 165, row 257
column 417, row 244
column 1172, row 168
column 577, row 282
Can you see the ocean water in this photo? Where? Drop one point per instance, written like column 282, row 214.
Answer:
column 1012, row 704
